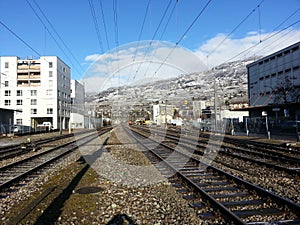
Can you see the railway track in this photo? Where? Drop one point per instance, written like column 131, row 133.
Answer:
column 12, row 173
column 277, row 158
column 11, row 151
column 205, row 186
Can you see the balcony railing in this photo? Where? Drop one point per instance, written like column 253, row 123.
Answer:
column 20, row 77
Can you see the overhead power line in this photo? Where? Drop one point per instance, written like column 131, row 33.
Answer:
column 141, row 31
column 21, row 39
column 164, row 30
column 96, row 25
column 104, row 24
column 183, row 35
column 168, row 21
column 234, row 29
column 267, row 38
column 116, row 23
column 60, row 38
column 154, row 35
column 139, row 38
column 60, row 47
column 270, row 36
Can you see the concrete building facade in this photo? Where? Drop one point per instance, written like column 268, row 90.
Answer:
column 40, row 88
column 274, row 84
column 78, row 117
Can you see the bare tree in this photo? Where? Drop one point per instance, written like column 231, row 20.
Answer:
column 286, row 92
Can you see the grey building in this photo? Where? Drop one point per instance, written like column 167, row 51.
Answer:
column 274, row 85
column 6, row 120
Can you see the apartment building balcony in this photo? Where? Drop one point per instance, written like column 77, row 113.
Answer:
column 26, row 77
column 35, row 75
column 28, row 83
column 22, row 69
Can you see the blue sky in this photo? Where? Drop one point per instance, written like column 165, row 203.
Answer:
column 73, row 21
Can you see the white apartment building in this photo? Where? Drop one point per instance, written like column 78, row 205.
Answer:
column 78, row 118
column 40, row 88
column 162, row 113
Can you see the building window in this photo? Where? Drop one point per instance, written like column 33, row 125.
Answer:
column 7, row 93
column 50, row 64
column 49, row 92
column 19, row 121
column 6, row 83
column 6, row 102
column 19, row 102
column 19, row 111
column 49, row 110
column 295, row 48
column 50, row 73
column 33, row 111
column 288, row 70
column 6, row 65
column 33, row 92
column 50, row 82
column 33, row 101
column 19, row 92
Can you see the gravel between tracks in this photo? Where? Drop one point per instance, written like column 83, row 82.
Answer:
column 156, row 202
column 128, row 192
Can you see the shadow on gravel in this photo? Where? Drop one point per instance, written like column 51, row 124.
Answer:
column 121, row 219
column 54, row 210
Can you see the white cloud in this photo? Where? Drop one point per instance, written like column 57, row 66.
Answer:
column 136, row 62
column 93, row 57
column 214, row 53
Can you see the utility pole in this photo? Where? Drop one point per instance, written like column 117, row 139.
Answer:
column 166, row 115
column 60, row 119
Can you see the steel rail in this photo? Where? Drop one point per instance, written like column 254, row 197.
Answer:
column 230, row 216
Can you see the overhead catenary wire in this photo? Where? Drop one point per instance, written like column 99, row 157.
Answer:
column 116, row 31
column 163, row 32
column 141, row 31
column 60, row 47
column 139, row 38
column 235, row 28
column 267, row 38
column 183, row 35
column 246, row 51
column 259, row 22
column 96, row 25
column 169, row 19
column 272, row 45
column 60, row 38
column 21, row 39
column 116, row 28
column 104, row 24
column 153, row 37
column 277, row 27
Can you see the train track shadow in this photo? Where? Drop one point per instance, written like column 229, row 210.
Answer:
column 54, row 210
